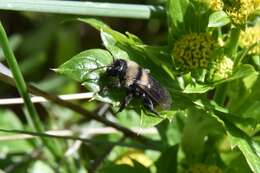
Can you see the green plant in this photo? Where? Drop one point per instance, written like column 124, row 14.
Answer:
column 210, row 65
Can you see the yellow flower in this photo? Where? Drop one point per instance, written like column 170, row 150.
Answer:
column 240, row 10
column 216, row 5
column 204, row 63
column 250, row 37
column 194, row 50
column 128, row 157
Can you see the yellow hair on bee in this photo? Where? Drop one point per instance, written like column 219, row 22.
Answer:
column 131, row 73
column 144, row 80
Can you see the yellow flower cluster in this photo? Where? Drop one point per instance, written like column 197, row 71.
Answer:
column 240, row 10
column 194, row 50
column 250, row 37
column 201, row 168
column 216, row 5
column 223, row 68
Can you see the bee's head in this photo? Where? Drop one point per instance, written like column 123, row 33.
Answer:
column 116, row 68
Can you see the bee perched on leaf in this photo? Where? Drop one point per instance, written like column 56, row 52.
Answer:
column 139, row 83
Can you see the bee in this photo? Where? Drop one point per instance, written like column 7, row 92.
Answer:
column 139, row 83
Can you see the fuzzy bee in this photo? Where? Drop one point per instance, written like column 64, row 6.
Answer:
column 139, row 83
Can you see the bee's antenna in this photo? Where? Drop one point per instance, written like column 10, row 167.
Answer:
column 113, row 58
column 100, row 67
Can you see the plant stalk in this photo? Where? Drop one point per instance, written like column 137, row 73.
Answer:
column 33, row 117
column 20, row 83
column 231, row 47
column 84, row 8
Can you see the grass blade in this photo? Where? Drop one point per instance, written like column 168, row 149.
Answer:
column 84, row 8
column 20, row 83
column 33, row 119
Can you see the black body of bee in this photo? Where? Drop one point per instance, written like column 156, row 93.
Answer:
column 139, row 83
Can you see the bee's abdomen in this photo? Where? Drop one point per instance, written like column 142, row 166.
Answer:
column 159, row 94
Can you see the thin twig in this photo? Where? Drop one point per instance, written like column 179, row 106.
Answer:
column 38, row 99
column 82, row 111
column 85, row 131
column 27, row 136
column 71, row 137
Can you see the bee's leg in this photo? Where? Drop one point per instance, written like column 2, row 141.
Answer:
column 125, row 102
column 149, row 104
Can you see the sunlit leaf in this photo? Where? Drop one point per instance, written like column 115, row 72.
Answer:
column 40, row 166
column 88, row 68
column 149, row 121
column 9, row 120
column 238, row 138
column 197, row 88
column 240, row 72
column 199, row 124
column 218, row 19
column 176, row 11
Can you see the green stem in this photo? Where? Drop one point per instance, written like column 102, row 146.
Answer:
column 220, row 94
column 21, row 86
column 33, row 119
column 84, row 8
column 231, row 47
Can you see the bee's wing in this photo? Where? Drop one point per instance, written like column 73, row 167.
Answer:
column 157, row 93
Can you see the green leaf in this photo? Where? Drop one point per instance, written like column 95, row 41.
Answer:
column 241, row 71
column 134, row 38
column 149, row 120
column 244, row 97
column 128, row 118
column 161, row 57
column 97, row 24
column 197, row 88
column 87, row 68
column 40, row 166
column 232, row 43
column 83, row 67
column 171, row 131
column 199, row 124
column 167, row 162
column 238, row 138
column 9, row 120
column 111, row 44
column 186, row 16
column 218, row 19
column 238, row 164
column 176, row 11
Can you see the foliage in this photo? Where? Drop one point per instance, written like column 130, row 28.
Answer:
column 209, row 62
